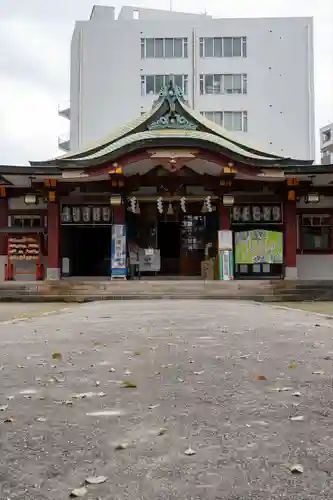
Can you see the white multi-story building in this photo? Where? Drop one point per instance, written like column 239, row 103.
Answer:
column 326, row 144
column 253, row 76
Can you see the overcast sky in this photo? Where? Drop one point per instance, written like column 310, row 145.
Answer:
column 34, row 62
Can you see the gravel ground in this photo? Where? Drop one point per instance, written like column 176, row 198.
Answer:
column 206, row 376
column 18, row 310
column 325, row 307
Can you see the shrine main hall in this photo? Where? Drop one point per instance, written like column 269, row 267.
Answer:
column 168, row 195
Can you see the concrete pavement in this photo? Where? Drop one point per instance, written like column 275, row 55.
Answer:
column 167, row 400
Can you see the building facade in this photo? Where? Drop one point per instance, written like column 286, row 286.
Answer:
column 168, row 194
column 252, row 76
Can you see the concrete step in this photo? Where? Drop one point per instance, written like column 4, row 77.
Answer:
column 82, row 290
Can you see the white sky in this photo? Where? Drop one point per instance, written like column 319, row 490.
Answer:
column 34, row 62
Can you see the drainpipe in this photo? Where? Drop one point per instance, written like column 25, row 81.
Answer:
column 194, row 75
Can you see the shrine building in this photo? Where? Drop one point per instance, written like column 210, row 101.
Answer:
column 170, row 194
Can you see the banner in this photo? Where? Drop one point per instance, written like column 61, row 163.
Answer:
column 118, row 251
column 259, row 246
column 226, row 266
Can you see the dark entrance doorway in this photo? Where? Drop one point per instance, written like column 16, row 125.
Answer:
column 169, row 237
column 88, row 250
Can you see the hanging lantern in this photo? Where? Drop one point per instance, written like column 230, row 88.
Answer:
column 86, row 214
column 96, row 214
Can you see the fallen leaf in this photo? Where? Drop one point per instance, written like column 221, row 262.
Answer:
column 297, row 419
column 189, row 452
column 121, row 446
column 3, row 407
column 260, row 377
column 78, row 492
column 292, row 364
column 127, row 384
column 296, row 469
column 162, row 431
column 57, row 356
column 96, row 479
column 84, row 395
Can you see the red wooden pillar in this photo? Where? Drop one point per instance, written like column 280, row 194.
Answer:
column 118, row 214
column 290, row 239
column 53, row 241
column 3, row 238
column 224, row 216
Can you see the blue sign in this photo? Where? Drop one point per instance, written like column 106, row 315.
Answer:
column 118, row 251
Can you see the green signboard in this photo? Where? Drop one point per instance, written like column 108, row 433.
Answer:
column 258, row 246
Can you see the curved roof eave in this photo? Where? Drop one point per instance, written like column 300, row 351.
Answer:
column 172, row 138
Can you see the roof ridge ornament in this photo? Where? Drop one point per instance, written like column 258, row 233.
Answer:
column 171, row 119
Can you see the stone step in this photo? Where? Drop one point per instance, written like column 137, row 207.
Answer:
column 81, row 290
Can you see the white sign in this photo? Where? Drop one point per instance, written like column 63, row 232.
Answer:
column 149, row 263
column 225, row 240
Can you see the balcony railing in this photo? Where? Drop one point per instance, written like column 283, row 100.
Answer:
column 64, row 142
column 64, row 110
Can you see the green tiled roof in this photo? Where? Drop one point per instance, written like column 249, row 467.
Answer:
column 165, row 135
column 157, row 125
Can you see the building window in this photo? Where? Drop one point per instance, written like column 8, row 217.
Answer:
column 152, row 84
column 164, row 48
column 223, row 47
column 25, row 221
column 315, row 232
column 231, row 120
column 223, row 84
column 327, row 135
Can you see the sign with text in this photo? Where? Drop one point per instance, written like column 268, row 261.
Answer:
column 259, row 247
column 118, row 251
column 86, row 214
column 249, row 214
column 23, row 248
column 149, row 260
